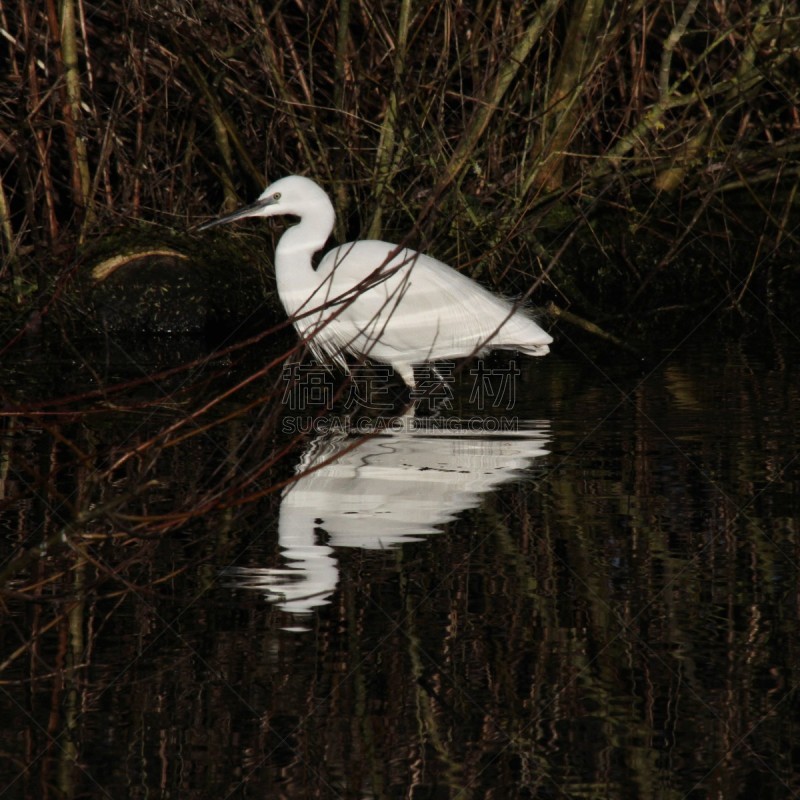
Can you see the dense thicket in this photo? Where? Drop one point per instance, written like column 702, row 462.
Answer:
column 489, row 130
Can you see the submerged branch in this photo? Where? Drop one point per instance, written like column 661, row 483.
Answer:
column 588, row 327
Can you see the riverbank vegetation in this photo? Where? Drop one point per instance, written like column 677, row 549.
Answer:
column 631, row 167
column 631, row 161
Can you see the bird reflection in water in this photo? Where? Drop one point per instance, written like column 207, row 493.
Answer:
column 394, row 487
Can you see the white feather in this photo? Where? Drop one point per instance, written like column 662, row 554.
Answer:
column 373, row 300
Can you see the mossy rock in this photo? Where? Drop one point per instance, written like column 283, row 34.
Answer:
column 149, row 283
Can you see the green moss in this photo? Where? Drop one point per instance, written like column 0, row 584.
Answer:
column 147, row 280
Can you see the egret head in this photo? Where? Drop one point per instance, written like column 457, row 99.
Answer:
column 293, row 195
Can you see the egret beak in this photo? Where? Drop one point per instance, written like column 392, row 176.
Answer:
column 253, row 210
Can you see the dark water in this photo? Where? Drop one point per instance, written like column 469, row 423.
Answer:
column 600, row 600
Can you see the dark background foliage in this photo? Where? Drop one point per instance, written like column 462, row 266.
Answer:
column 485, row 132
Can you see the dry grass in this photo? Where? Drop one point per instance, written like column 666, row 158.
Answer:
column 503, row 138
column 464, row 121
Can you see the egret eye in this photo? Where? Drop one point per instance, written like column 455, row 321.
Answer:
column 276, row 196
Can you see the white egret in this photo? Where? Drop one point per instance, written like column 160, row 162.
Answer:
column 377, row 300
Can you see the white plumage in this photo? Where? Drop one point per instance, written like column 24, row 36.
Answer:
column 375, row 300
